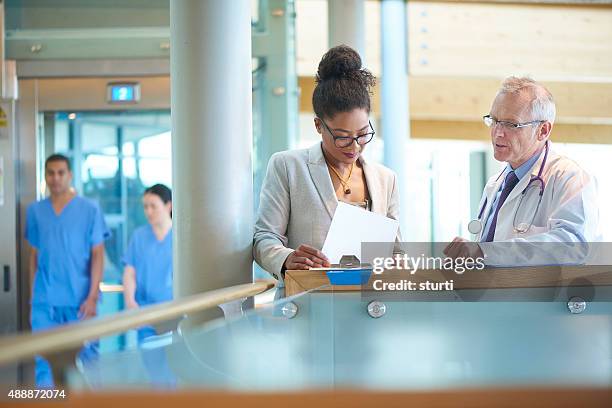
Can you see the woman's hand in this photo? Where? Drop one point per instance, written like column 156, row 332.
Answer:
column 306, row 257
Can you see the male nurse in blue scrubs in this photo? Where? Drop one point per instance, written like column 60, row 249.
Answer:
column 67, row 234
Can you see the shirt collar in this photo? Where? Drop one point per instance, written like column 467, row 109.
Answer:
column 524, row 168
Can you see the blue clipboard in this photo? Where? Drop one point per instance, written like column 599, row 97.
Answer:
column 349, row 276
column 350, row 271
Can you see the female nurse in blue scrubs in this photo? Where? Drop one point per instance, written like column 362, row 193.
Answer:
column 147, row 276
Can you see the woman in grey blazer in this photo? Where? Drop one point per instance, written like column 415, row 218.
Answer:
column 302, row 187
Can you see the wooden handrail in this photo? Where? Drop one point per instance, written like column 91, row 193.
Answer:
column 17, row 347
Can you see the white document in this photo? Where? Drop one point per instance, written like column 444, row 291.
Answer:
column 351, row 226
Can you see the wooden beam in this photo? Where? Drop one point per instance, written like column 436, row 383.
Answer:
column 468, row 98
column 478, row 39
column 481, row 38
column 475, row 130
column 452, row 107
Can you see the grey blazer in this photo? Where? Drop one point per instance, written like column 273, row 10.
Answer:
column 298, row 201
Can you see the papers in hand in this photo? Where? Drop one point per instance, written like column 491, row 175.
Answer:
column 351, row 226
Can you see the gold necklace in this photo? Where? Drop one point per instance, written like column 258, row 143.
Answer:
column 342, row 181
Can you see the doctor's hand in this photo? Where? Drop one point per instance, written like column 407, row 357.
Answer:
column 306, row 257
column 463, row 248
column 88, row 308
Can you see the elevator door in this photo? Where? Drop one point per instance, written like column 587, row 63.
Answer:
column 115, row 156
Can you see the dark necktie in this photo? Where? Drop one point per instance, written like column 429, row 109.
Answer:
column 511, row 181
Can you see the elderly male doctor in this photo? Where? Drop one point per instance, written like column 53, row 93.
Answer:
column 539, row 196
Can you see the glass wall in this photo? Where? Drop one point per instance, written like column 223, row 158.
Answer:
column 594, row 158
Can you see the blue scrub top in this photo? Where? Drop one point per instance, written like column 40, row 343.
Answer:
column 64, row 243
column 152, row 260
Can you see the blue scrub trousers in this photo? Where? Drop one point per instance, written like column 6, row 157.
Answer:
column 46, row 317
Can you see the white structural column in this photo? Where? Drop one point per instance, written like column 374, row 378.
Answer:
column 395, row 112
column 210, row 69
column 346, row 24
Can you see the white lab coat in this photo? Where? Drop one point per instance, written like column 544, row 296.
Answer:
column 568, row 215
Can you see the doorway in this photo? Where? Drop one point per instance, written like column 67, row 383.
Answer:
column 115, row 156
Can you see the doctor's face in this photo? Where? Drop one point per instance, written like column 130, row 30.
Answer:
column 515, row 146
column 156, row 211
column 344, row 124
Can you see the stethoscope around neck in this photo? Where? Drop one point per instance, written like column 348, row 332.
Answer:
column 476, row 226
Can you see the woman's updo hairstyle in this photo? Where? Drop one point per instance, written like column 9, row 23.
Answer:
column 342, row 84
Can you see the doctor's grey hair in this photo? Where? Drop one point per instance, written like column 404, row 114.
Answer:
column 542, row 103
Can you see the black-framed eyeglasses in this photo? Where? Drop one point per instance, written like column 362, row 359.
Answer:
column 492, row 122
column 346, row 141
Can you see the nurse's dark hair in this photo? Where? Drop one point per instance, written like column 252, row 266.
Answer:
column 161, row 191
column 342, row 83
column 58, row 157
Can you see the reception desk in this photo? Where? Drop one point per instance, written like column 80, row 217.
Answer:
column 298, row 281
